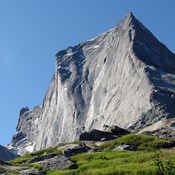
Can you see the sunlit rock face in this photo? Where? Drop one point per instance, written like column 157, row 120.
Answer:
column 123, row 77
column 27, row 130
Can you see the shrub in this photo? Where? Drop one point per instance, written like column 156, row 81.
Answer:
column 166, row 167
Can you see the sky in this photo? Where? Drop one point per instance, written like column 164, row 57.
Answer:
column 33, row 31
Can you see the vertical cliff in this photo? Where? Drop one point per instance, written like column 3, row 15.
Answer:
column 123, row 77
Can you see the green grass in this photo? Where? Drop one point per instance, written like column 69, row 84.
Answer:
column 115, row 163
column 21, row 159
column 34, row 165
column 51, row 150
column 110, row 162
column 142, row 142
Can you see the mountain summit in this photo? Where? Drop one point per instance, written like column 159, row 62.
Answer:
column 123, row 77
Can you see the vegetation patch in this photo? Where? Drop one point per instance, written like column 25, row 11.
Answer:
column 21, row 160
column 115, row 163
column 34, row 165
column 144, row 161
column 51, row 150
column 142, row 142
column 166, row 167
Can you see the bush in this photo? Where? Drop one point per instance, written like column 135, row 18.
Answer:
column 165, row 167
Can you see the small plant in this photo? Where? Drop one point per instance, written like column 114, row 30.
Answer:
column 165, row 167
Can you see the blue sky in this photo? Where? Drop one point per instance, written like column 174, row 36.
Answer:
column 33, row 31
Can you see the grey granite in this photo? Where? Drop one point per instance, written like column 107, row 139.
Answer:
column 123, row 77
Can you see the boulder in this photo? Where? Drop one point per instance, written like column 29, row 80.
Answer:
column 97, row 135
column 52, row 162
column 56, row 163
column 76, row 150
column 115, row 130
column 68, row 146
column 48, row 162
column 42, row 158
column 126, row 147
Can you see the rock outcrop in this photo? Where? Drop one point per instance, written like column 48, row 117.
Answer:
column 96, row 135
column 37, row 166
column 115, row 130
column 27, row 130
column 124, row 77
column 163, row 129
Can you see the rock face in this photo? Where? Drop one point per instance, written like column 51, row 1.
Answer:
column 27, row 130
column 163, row 129
column 52, row 162
column 115, row 130
column 124, row 77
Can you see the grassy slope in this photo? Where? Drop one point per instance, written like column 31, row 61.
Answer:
column 110, row 162
column 142, row 142
column 115, row 163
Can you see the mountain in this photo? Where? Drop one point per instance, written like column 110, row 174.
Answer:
column 7, row 154
column 123, row 77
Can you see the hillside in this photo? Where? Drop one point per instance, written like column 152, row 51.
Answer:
column 86, row 158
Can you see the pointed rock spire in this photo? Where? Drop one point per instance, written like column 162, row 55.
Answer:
column 129, row 21
column 130, row 15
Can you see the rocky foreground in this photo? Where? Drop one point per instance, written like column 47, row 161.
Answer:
column 93, row 145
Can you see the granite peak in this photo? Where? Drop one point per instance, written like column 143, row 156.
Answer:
column 123, row 77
